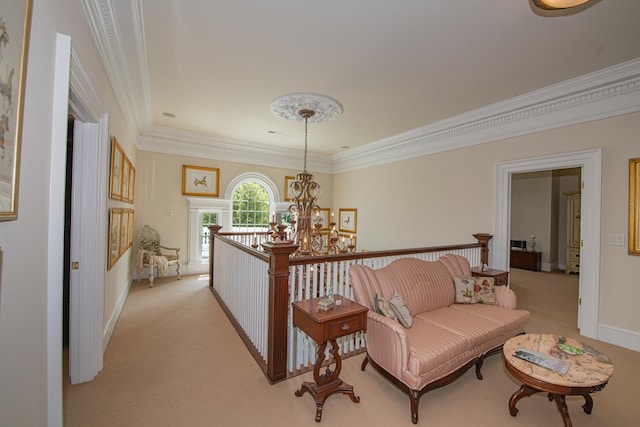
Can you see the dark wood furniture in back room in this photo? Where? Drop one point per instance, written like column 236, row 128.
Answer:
column 527, row 260
column 324, row 327
column 500, row 277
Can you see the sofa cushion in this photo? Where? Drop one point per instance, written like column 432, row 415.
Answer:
column 424, row 285
column 476, row 329
column 401, row 310
column 465, row 293
column 484, row 292
column 383, row 307
column 512, row 322
column 431, row 347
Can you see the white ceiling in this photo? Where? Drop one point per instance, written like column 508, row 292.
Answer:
column 394, row 65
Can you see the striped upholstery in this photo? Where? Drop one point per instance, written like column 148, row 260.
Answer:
column 445, row 336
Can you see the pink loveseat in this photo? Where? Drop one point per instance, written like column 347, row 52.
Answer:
column 446, row 338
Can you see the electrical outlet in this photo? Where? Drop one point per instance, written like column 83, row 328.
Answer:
column 616, row 239
column 170, row 214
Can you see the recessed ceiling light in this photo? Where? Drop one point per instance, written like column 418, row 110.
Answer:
column 274, row 132
column 345, row 147
column 170, row 115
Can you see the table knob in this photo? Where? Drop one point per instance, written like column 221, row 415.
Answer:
column 346, row 327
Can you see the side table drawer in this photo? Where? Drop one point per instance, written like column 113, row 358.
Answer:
column 341, row 327
column 501, row 279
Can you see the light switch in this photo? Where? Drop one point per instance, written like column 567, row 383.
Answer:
column 616, row 239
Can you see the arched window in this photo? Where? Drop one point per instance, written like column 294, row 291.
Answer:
column 251, row 206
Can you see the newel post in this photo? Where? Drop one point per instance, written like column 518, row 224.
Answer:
column 483, row 239
column 213, row 230
column 278, row 307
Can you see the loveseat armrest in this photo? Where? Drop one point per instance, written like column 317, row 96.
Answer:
column 506, row 297
column 387, row 343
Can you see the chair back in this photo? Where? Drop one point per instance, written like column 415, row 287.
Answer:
column 148, row 239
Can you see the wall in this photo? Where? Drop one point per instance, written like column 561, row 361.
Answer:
column 445, row 197
column 31, row 395
column 531, row 212
column 159, row 191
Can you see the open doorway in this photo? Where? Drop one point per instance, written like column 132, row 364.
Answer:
column 590, row 162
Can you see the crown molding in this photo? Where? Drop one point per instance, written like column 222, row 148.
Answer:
column 606, row 93
column 183, row 143
column 126, row 65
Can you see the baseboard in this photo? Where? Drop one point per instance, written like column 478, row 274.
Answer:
column 115, row 315
column 619, row 336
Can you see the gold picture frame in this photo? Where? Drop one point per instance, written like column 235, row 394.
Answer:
column 15, row 27
column 323, row 217
column 200, row 181
column 287, row 195
column 115, row 219
column 634, row 206
column 115, row 176
column 347, row 220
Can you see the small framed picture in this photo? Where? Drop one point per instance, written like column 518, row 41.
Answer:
column 115, row 182
column 288, row 197
column 347, row 220
column 124, row 227
column 322, row 218
column 115, row 219
column 200, row 181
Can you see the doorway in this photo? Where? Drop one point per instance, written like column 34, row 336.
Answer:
column 590, row 162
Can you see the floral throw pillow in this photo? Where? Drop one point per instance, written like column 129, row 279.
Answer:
column 484, row 292
column 383, row 307
column 401, row 310
column 465, row 290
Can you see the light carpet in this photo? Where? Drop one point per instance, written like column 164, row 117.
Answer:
column 175, row 360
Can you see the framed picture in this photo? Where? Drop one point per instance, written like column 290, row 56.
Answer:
column 132, row 183
column 200, row 181
column 124, row 227
column 15, row 25
column 130, row 228
column 634, row 206
column 115, row 218
column 115, row 181
column 287, row 193
column 126, row 168
column 347, row 220
column 323, row 218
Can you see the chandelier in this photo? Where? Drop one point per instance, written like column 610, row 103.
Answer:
column 558, row 4
column 304, row 190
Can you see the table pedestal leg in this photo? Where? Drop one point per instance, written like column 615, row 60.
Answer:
column 525, row 391
column 328, row 383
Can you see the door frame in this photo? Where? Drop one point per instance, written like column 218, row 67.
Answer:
column 590, row 161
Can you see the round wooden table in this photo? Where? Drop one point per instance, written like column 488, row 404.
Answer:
column 589, row 372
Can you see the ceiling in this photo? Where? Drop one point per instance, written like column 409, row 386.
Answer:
column 394, row 66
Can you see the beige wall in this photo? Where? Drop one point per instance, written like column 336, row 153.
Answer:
column 445, row 197
column 24, row 314
column 159, row 190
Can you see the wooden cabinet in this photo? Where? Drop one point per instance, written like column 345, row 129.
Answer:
column 500, row 277
column 527, row 260
column 572, row 254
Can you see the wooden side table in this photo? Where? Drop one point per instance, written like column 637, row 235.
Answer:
column 324, row 327
column 500, row 277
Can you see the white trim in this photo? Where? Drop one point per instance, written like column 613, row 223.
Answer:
column 274, row 194
column 91, row 140
column 198, row 205
column 113, row 319
column 591, row 163
column 618, row 336
column 55, row 237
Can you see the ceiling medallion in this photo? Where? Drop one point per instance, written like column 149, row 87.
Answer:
column 289, row 106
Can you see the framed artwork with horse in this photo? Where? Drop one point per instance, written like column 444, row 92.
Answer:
column 200, row 181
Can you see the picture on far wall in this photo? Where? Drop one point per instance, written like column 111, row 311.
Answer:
column 347, row 220
column 124, row 227
column 288, row 197
column 322, row 218
column 115, row 218
column 15, row 23
column 634, row 206
column 200, row 181
column 115, row 179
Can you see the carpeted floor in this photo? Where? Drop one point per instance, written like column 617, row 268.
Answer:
column 175, row 360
